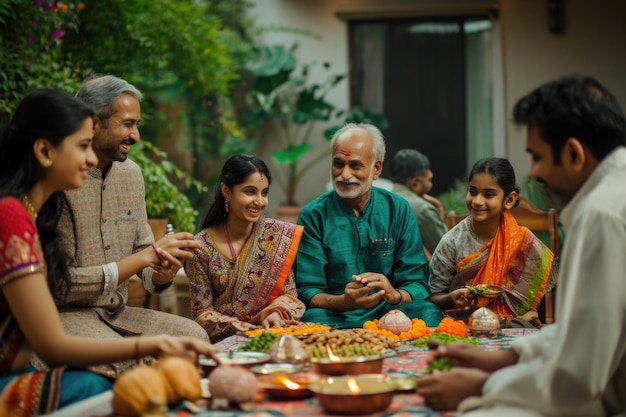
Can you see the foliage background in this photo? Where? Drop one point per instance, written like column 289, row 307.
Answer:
column 187, row 58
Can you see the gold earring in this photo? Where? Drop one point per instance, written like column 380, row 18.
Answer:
column 47, row 163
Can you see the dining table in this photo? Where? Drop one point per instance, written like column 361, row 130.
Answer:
column 407, row 359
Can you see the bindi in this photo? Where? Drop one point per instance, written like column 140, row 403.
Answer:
column 345, row 153
column 261, row 175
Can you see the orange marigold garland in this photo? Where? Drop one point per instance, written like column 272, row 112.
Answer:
column 418, row 329
column 450, row 326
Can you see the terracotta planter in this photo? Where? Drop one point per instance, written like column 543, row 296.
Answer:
column 288, row 213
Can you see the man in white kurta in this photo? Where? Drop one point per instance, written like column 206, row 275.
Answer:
column 576, row 367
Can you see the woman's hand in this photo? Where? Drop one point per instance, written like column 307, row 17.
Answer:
column 186, row 347
column 276, row 320
column 462, row 297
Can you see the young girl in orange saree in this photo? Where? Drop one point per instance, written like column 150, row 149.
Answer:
column 241, row 277
column 489, row 248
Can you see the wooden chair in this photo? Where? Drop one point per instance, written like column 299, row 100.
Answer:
column 536, row 220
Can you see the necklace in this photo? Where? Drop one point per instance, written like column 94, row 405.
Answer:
column 29, row 208
column 472, row 231
column 233, row 253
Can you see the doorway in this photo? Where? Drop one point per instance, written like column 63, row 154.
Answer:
column 432, row 79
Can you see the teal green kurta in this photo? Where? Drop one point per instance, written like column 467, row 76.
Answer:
column 337, row 245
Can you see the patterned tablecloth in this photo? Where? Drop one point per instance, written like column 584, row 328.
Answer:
column 408, row 359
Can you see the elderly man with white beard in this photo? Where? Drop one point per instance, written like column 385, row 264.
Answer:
column 361, row 254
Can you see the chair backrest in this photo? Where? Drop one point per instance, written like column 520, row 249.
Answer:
column 526, row 215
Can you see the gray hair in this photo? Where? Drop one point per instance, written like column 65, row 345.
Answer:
column 378, row 138
column 101, row 91
column 407, row 164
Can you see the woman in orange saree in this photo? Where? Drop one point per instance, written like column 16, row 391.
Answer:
column 490, row 248
column 241, row 277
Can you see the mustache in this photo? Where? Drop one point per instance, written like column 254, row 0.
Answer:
column 338, row 181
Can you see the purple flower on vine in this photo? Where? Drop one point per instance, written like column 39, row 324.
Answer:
column 30, row 39
column 58, row 34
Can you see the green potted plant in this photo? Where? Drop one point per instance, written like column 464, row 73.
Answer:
column 281, row 92
column 164, row 198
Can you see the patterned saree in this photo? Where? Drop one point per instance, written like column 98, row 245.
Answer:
column 20, row 254
column 230, row 296
column 515, row 260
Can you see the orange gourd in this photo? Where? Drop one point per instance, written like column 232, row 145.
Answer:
column 133, row 389
column 182, row 379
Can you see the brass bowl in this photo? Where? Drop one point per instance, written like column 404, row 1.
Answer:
column 335, row 397
column 274, row 385
column 489, row 294
column 349, row 366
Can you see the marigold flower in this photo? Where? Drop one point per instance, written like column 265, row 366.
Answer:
column 62, row 7
column 80, row 5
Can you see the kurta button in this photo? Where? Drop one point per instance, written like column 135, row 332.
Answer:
column 104, row 187
column 107, row 247
column 384, row 254
column 104, row 220
column 373, row 253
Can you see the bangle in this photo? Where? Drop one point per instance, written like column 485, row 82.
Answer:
column 401, row 297
column 137, row 357
column 154, row 248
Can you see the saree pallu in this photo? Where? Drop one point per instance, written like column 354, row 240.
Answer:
column 32, row 394
column 516, row 260
column 230, row 296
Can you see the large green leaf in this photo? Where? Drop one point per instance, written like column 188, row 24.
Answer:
column 291, row 155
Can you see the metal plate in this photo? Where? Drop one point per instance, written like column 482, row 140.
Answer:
column 275, row 368
column 238, row 358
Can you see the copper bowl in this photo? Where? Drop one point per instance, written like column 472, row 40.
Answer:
column 275, row 385
column 349, row 366
column 335, row 397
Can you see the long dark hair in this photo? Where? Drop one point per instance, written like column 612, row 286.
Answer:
column 235, row 171
column 500, row 169
column 53, row 115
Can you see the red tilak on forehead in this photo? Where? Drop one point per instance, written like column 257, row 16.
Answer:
column 261, row 175
column 345, row 153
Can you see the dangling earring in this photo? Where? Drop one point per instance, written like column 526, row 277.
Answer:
column 227, row 207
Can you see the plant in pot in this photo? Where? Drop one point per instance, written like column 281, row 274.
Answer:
column 164, row 198
column 282, row 93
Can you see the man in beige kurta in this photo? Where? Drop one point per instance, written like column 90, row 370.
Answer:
column 105, row 231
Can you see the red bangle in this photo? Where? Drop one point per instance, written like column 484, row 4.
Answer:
column 154, row 248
